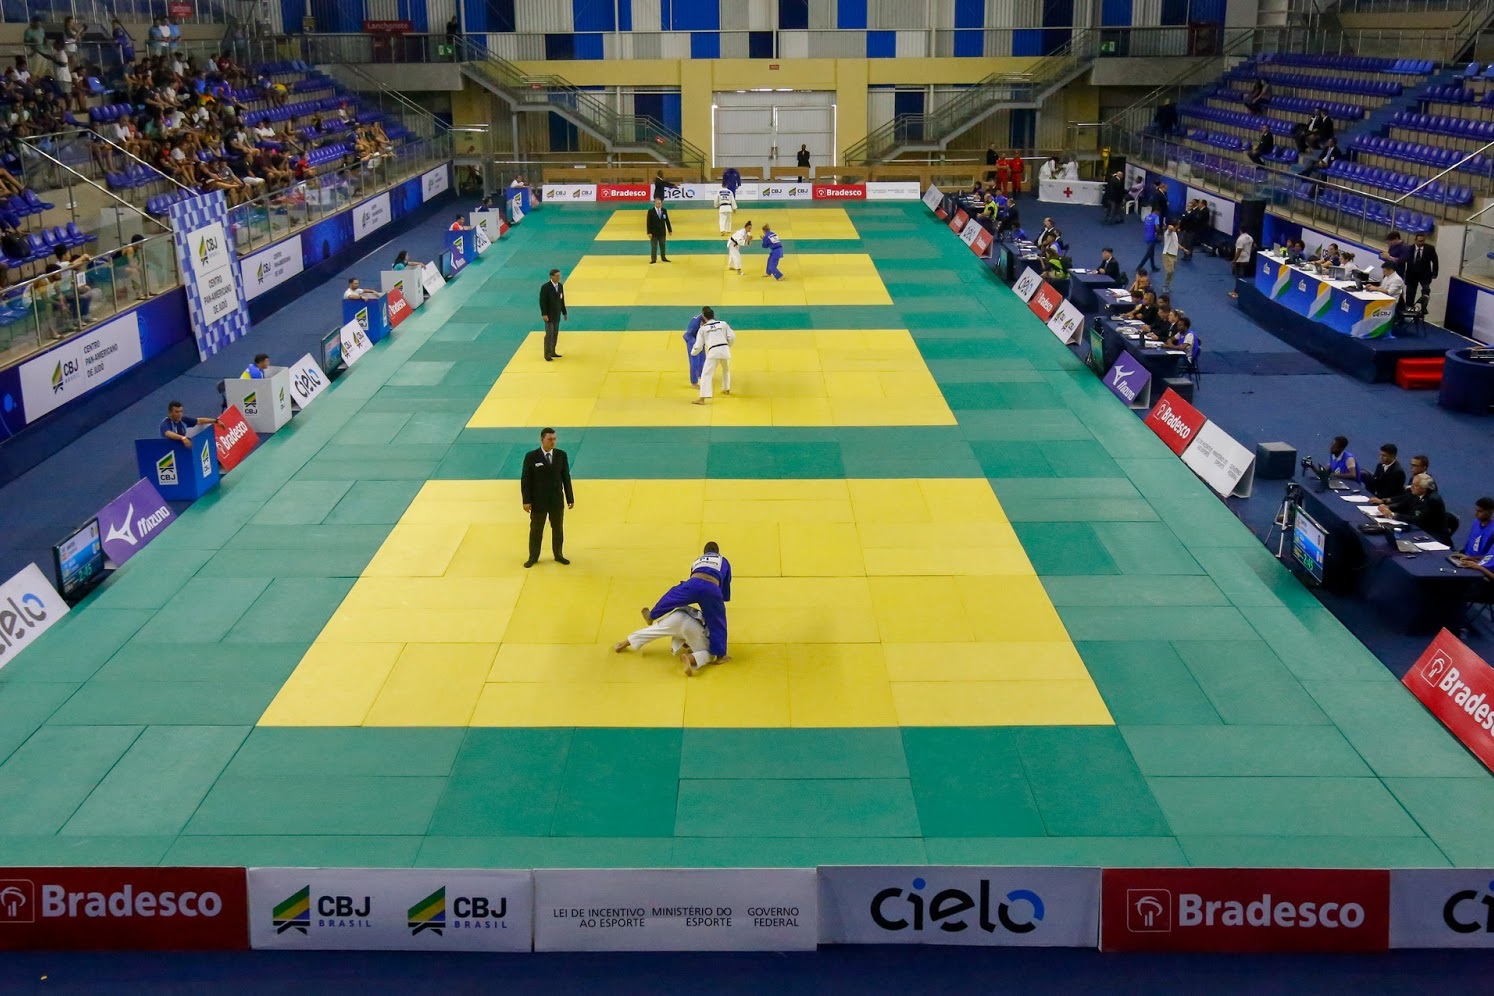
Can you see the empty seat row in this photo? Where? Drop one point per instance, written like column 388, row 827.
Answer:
column 1474, row 71
column 23, row 204
column 1306, row 105
column 1374, row 88
column 1354, row 63
column 43, row 244
column 1238, row 119
column 1400, row 183
column 1443, row 124
column 1426, row 155
column 1456, row 93
column 136, row 175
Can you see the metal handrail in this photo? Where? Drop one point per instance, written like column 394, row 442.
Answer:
column 92, row 135
column 408, row 106
column 1244, row 40
column 59, row 164
column 1412, row 192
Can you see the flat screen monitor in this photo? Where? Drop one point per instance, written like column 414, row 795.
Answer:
column 1309, row 545
column 331, row 351
column 1337, row 273
column 79, row 560
column 446, row 263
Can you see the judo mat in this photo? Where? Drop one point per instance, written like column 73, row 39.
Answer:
column 693, row 280
column 1026, row 635
column 627, row 224
column 779, row 377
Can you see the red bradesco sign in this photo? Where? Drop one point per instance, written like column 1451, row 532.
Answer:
column 1175, row 421
column 151, row 909
column 1458, row 687
column 236, row 438
column 399, row 308
column 1045, row 301
column 1244, row 909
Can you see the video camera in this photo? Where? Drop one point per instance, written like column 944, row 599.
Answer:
column 1309, row 466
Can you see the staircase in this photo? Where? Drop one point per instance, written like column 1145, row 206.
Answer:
column 618, row 133
column 934, row 131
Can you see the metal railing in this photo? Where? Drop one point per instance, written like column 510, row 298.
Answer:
column 98, row 12
column 1476, row 249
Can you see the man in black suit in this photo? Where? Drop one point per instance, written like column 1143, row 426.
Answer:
column 1114, row 198
column 1388, row 478
column 1421, row 506
column 1108, row 265
column 659, row 230
column 545, row 487
column 661, row 185
column 552, row 310
column 1421, row 270
column 1319, row 129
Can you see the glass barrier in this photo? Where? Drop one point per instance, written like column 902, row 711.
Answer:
column 1477, row 251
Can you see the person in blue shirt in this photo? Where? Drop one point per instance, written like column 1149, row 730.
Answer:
column 1341, row 462
column 697, row 360
column 175, row 425
column 403, row 260
column 1479, row 545
column 709, row 587
column 259, row 369
column 1150, row 227
column 774, row 245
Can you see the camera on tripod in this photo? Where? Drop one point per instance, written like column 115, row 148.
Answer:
column 1309, row 466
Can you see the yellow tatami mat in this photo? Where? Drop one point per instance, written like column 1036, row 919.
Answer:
column 627, row 225
column 855, row 603
column 787, row 378
column 695, row 280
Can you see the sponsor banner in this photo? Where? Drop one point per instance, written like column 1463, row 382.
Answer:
column 1441, row 908
column 933, row 197
column 237, row 438
column 1067, row 323
column 269, row 268
column 181, row 9
column 306, row 381
column 131, row 521
column 354, row 342
column 980, row 243
column 576, row 193
column 997, row 907
column 779, row 191
column 1223, row 463
column 1027, row 284
column 622, row 192
column 1128, row 379
column 1221, row 211
column 370, row 216
column 29, row 605
column 394, row 280
column 675, row 909
column 387, row 27
column 139, row 909
column 841, row 191
column 390, row 909
column 892, row 191
column 516, row 207
column 399, row 308
column 79, row 365
column 704, row 193
column 959, row 221
column 215, row 294
column 1044, row 301
column 1457, row 685
column 435, row 182
column 490, row 224
column 1244, row 909
column 1175, row 421
column 431, row 280
column 967, row 234
column 480, row 240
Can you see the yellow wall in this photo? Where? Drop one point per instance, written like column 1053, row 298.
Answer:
column 699, row 79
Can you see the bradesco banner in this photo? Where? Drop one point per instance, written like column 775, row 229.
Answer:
column 959, row 221
column 840, row 191
column 100, row 909
column 1442, row 908
column 236, row 438
column 883, row 190
column 577, row 193
column 29, row 605
column 1244, row 909
column 1027, row 284
column 675, row 909
column 1457, row 685
column 390, row 909
column 622, row 192
column 1223, row 463
column 1175, row 421
column 999, row 907
column 399, row 308
column 977, row 238
column 933, row 198
column 129, row 522
column 1044, row 301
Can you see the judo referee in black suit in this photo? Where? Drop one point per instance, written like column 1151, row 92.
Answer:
column 546, row 490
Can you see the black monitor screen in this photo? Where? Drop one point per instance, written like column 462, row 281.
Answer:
column 79, row 560
column 332, row 350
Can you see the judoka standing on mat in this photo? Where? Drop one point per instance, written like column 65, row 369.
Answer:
column 741, row 237
column 774, row 245
column 726, row 205
column 687, row 638
column 709, row 588
column 713, row 341
column 697, row 360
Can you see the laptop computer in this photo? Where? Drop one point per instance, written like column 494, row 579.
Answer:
column 1337, row 273
column 1400, row 543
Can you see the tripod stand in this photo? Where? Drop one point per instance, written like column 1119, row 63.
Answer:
column 1286, row 516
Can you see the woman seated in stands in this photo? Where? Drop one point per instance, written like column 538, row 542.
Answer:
column 1259, row 95
column 220, row 177
column 129, row 268
column 381, row 137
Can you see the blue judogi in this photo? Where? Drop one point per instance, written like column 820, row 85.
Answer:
column 709, row 587
column 697, row 361
column 774, row 245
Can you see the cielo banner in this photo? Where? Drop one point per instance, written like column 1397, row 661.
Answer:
column 129, row 522
column 80, row 365
column 307, row 381
column 269, row 268
column 390, row 909
column 1441, row 908
column 126, row 909
column 675, row 909
column 1244, row 909
column 997, row 907
column 205, row 249
column 1458, row 687
column 1027, row 284
column 933, row 197
column 29, row 606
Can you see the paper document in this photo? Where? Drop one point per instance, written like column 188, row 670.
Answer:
column 1356, row 499
column 1432, row 546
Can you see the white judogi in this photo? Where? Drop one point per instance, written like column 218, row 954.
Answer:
column 714, row 341
column 682, row 626
column 734, row 245
column 726, row 203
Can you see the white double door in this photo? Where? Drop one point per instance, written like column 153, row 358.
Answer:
column 765, row 128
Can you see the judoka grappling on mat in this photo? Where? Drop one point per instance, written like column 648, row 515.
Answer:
column 709, row 588
column 687, row 638
column 713, row 341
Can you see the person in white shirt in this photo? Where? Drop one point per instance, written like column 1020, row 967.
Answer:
column 1070, row 170
column 713, row 341
column 1392, row 284
column 356, row 293
column 1244, row 249
column 1049, row 170
column 726, row 204
column 741, row 237
column 1169, row 255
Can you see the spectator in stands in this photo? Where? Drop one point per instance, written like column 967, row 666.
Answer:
column 1421, row 270
column 1243, row 259
column 1165, row 118
column 1113, row 198
column 1150, row 234
column 9, row 185
column 1387, row 478
column 1259, row 95
column 1319, row 129
column 129, row 268
column 176, row 423
column 1264, row 146
column 1109, row 265
column 122, row 42
column 1421, row 506
column 1322, row 163
column 34, row 40
column 158, row 38
column 1169, row 255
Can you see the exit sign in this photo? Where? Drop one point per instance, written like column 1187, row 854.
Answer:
column 772, row 65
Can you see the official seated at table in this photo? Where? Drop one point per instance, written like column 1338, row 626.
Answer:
column 1055, row 264
column 1392, row 285
column 1341, row 463
column 1162, row 324
column 1008, row 219
column 1049, row 235
column 403, row 261
column 175, row 425
column 1420, row 464
column 1181, row 335
column 1329, row 255
column 356, row 293
column 1421, row 506
column 1109, row 265
column 1480, row 540
column 1146, row 311
column 259, row 369
column 1387, row 478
